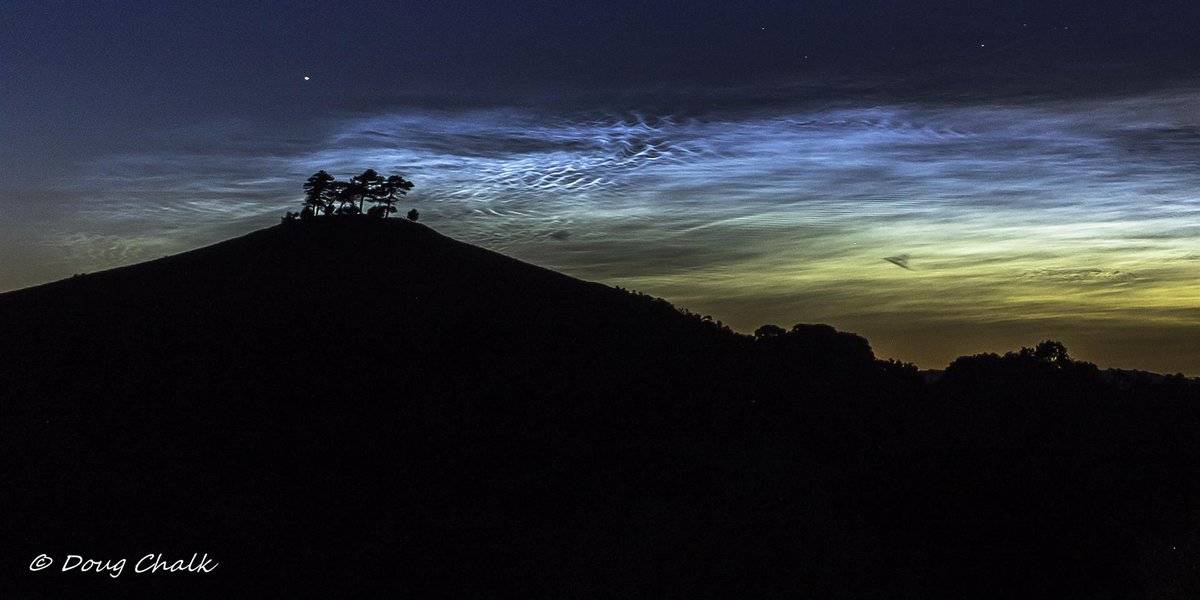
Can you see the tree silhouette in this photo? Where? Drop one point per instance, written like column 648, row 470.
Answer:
column 413, row 215
column 769, row 331
column 367, row 186
column 346, row 195
column 319, row 192
column 389, row 192
column 1049, row 351
column 324, row 195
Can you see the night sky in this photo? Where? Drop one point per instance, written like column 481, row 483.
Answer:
column 943, row 178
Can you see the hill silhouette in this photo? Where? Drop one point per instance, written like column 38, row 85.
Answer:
column 352, row 406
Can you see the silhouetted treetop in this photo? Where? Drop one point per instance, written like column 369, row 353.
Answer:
column 806, row 347
column 325, row 196
column 1050, row 352
column 1048, row 361
column 319, row 192
column 769, row 331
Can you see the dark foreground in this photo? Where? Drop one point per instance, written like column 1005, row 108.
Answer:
column 354, row 408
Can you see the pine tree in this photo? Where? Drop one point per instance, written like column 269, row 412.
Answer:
column 318, row 193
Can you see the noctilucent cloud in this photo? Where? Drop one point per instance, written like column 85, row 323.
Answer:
column 935, row 222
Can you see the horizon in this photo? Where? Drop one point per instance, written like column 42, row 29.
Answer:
column 716, row 318
column 941, row 180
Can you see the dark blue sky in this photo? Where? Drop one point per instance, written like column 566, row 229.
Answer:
column 113, row 64
column 1037, row 161
column 77, row 78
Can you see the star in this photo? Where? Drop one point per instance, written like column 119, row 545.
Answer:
column 306, row 77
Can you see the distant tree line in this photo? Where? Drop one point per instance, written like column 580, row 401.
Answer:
column 367, row 193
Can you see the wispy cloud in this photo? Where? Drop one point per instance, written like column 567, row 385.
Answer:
column 1081, row 214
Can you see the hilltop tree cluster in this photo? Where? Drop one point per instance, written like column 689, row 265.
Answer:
column 366, row 193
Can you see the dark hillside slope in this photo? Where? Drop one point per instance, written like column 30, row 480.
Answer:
column 387, row 292
column 365, row 408
column 387, row 404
